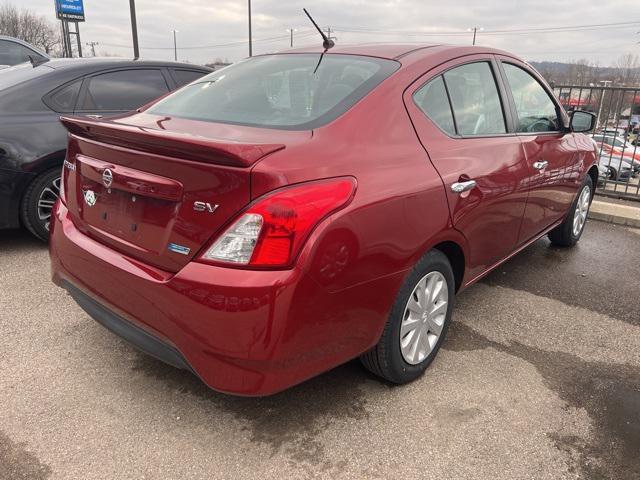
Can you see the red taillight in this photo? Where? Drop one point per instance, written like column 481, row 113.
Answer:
column 271, row 232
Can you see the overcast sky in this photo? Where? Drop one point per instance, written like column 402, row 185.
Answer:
column 212, row 23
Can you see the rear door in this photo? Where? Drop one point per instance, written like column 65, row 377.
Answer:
column 550, row 150
column 119, row 91
column 461, row 120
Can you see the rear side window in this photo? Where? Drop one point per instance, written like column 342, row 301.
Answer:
column 536, row 111
column 287, row 91
column 475, row 99
column 64, row 99
column 183, row 77
column 432, row 100
column 123, row 90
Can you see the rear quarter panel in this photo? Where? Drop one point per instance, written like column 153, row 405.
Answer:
column 361, row 254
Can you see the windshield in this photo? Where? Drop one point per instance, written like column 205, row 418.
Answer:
column 20, row 73
column 279, row 91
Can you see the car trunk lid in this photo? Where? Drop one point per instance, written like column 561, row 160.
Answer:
column 156, row 189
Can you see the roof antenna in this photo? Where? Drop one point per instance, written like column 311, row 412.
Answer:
column 327, row 43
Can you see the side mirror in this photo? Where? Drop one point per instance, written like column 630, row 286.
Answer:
column 582, row 121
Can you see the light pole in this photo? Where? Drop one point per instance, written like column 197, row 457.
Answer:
column 291, row 30
column 474, row 30
column 250, row 46
column 175, row 46
column 134, row 29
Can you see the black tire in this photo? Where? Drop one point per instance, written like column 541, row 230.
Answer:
column 563, row 235
column 612, row 174
column 386, row 359
column 43, row 187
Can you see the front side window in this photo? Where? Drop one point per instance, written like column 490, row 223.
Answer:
column 432, row 99
column 475, row 100
column 536, row 111
column 279, row 91
column 124, row 90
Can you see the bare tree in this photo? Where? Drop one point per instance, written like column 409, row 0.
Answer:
column 628, row 66
column 30, row 27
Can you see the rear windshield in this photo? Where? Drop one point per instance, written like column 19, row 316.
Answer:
column 279, row 91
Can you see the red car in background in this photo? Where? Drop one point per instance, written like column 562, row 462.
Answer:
column 293, row 211
column 617, row 148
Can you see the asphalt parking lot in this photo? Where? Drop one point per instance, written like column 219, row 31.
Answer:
column 539, row 379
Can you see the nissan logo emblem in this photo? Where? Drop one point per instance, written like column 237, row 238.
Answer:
column 107, row 177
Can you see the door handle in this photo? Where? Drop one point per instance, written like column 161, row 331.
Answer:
column 460, row 187
column 540, row 165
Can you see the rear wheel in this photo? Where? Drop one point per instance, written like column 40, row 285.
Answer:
column 569, row 232
column 418, row 322
column 37, row 203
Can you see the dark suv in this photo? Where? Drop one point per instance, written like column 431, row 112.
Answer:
column 33, row 142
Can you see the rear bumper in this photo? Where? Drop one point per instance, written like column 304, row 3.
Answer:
column 135, row 335
column 242, row 332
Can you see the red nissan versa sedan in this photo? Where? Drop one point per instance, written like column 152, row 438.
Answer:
column 288, row 213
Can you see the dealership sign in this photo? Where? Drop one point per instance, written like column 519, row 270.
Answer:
column 70, row 10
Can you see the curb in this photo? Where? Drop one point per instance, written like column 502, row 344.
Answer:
column 613, row 213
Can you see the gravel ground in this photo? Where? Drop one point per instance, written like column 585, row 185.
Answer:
column 539, row 378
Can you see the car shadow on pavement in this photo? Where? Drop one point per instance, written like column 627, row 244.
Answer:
column 17, row 240
column 289, row 422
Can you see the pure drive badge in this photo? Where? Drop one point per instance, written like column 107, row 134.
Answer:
column 174, row 247
column 90, row 197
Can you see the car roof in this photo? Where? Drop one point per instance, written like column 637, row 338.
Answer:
column 108, row 62
column 395, row 51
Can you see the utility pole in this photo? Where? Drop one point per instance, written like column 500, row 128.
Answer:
column 250, row 46
column 134, row 29
column 474, row 30
column 291, row 30
column 329, row 34
column 93, row 47
column 175, row 46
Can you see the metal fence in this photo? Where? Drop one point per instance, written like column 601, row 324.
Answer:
column 616, row 133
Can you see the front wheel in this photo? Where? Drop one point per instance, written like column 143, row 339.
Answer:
column 418, row 322
column 570, row 230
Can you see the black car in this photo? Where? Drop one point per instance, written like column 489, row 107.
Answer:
column 32, row 140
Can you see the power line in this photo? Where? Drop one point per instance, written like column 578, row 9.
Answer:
column 220, row 45
column 305, row 33
column 457, row 33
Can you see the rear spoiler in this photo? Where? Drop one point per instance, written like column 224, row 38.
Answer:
column 171, row 144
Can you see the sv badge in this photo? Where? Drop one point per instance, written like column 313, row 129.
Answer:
column 205, row 207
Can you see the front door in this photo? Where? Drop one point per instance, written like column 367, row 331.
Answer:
column 466, row 129
column 549, row 149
